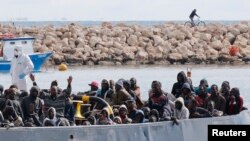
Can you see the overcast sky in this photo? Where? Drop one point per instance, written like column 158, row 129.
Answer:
column 122, row 10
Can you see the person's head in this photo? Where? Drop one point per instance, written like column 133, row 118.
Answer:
column 86, row 123
column 94, row 86
column 139, row 117
column 194, row 10
column 202, row 91
column 186, row 89
column 156, row 87
column 131, row 104
column 34, row 92
column 51, row 113
column 22, row 95
column 152, row 119
column 225, row 87
column 179, row 102
column 111, row 83
column 105, row 84
column 54, row 91
column 235, row 92
column 117, row 120
column 7, row 93
column 92, row 120
column 119, row 85
column 154, row 113
column 53, row 83
column 126, row 85
column 116, row 111
column 12, row 93
column 104, row 114
column 214, row 90
column 127, row 121
column 181, row 77
column 133, row 82
column 13, row 86
column 123, row 111
column 18, row 51
column 204, row 82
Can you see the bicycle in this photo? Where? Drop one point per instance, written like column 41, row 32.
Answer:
column 197, row 22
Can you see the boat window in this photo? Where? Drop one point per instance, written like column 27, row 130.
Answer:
column 24, row 42
column 12, row 43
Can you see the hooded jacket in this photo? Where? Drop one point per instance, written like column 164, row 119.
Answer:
column 176, row 90
column 184, row 112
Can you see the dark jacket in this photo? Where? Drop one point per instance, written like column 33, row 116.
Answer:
column 176, row 89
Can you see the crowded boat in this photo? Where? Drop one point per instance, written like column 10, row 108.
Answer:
column 112, row 102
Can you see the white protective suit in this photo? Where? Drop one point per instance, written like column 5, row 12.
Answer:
column 20, row 65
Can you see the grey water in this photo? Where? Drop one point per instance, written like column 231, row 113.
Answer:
column 237, row 75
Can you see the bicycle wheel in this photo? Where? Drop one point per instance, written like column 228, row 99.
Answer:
column 201, row 23
column 188, row 24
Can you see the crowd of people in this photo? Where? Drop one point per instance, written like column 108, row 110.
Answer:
column 57, row 107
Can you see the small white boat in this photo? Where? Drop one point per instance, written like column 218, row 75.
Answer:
column 7, row 52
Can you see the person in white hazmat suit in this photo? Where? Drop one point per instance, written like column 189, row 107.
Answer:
column 21, row 65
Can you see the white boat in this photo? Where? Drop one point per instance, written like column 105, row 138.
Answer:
column 7, row 52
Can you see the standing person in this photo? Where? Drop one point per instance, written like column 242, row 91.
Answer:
column 21, row 65
column 191, row 16
column 181, row 79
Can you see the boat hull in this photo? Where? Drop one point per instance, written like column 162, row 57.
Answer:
column 187, row 130
column 38, row 60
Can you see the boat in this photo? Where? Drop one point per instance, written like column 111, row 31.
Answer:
column 187, row 130
column 9, row 41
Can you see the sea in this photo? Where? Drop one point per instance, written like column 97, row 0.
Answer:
column 237, row 75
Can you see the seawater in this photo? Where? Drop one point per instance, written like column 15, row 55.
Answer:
column 238, row 76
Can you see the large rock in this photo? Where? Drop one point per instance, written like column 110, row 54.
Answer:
column 217, row 45
column 132, row 40
column 57, row 59
column 206, row 37
column 245, row 51
column 234, row 31
column 175, row 57
column 94, row 40
column 30, row 30
column 142, row 55
column 158, row 41
column 243, row 28
column 241, row 41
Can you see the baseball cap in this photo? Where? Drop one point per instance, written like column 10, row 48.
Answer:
column 94, row 83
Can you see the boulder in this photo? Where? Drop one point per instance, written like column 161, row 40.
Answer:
column 234, row 31
column 132, row 40
column 243, row 28
column 217, row 45
column 175, row 57
column 206, row 37
column 141, row 55
column 94, row 40
column 158, row 41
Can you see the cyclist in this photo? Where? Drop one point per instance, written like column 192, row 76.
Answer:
column 192, row 16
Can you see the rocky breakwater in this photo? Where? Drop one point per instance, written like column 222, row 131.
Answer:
column 136, row 44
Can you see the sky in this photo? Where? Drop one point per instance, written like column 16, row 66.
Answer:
column 123, row 10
